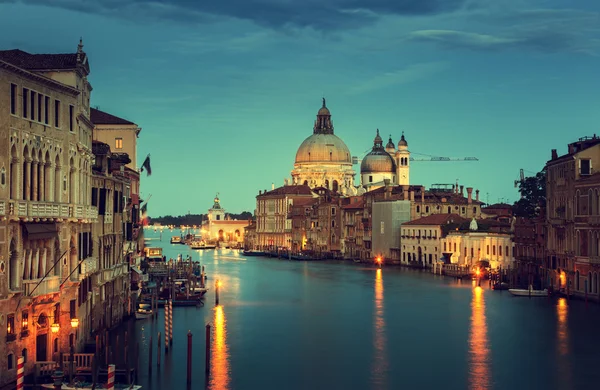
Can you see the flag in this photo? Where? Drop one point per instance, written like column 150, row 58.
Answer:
column 146, row 165
column 144, row 210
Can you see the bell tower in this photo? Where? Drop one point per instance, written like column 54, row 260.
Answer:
column 216, row 213
column 403, row 162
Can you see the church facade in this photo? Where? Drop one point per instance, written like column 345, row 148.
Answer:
column 220, row 227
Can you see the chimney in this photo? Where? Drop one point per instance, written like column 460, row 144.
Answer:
column 477, row 195
column 469, row 195
column 422, row 194
column 554, row 154
column 259, row 192
column 462, row 192
column 412, row 195
column 405, row 192
column 272, row 186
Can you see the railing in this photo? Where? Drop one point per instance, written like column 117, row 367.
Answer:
column 594, row 259
column 2, row 207
column 25, row 208
column 594, row 220
column 49, row 285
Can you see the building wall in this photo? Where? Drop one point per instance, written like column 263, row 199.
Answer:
column 325, row 175
column 468, row 248
column 421, row 244
column 387, row 219
column 45, row 172
column 127, row 133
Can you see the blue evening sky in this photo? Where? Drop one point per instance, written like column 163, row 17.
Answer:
column 225, row 91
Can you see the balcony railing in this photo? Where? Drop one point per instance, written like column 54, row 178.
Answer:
column 48, row 285
column 31, row 209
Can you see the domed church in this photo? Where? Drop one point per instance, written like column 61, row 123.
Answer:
column 323, row 159
column 387, row 163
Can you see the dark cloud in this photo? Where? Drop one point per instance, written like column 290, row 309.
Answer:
column 541, row 40
column 317, row 14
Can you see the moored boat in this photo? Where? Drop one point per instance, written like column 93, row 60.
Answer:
column 176, row 240
column 253, row 253
column 144, row 311
column 530, row 292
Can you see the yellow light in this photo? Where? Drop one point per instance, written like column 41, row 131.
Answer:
column 379, row 259
column 25, row 322
column 8, row 329
column 74, row 322
column 55, row 328
column 219, row 283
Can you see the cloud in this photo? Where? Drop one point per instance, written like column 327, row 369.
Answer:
column 406, row 75
column 541, row 39
column 317, row 14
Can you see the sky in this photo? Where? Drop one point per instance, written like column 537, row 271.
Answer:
column 225, row 91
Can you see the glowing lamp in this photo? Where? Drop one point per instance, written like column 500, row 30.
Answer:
column 74, row 322
column 477, row 272
column 24, row 322
column 219, row 283
column 55, row 328
column 8, row 329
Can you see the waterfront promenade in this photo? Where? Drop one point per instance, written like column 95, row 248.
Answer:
column 315, row 325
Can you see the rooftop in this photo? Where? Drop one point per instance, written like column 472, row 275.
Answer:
column 288, row 190
column 436, row 220
column 29, row 61
column 103, row 118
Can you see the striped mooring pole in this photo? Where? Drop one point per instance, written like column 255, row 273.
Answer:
column 110, row 383
column 171, row 321
column 20, row 372
column 166, row 326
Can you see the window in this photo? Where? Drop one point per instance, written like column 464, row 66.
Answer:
column 72, row 308
column 427, row 209
column 119, row 143
column 463, row 210
column 494, row 250
column 370, row 179
column 24, row 354
column 25, row 96
column 488, row 249
column 3, row 176
column 332, row 224
column 499, row 250
column 444, row 247
column 46, row 111
column 11, row 361
column 585, row 167
column 333, row 211
column 24, row 320
column 10, row 324
column 56, row 113
column 474, row 210
column 454, row 247
column 32, row 108
column 71, row 118
column 418, row 209
column 449, row 210
column 39, row 107
column 13, row 99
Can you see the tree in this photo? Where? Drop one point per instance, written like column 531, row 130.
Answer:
column 533, row 196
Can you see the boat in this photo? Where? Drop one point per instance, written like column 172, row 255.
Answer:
column 500, row 286
column 253, row 253
column 89, row 386
column 530, row 292
column 202, row 245
column 154, row 254
column 144, row 311
column 176, row 240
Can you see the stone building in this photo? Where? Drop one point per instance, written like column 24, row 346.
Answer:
column 352, row 236
column 302, row 214
column 324, row 231
column 385, row 164
column 250, row 237
column 120, row 134
column 422, row 239
column 220, row 226
column 530, row 251
column 323, row 159
column 480, row 240
column 572, row 217
column 45, row 203
column 273, row 227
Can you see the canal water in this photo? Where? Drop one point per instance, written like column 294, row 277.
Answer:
column 330, row 325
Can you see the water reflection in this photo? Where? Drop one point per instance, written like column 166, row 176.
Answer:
column 219, row 365
column 562, row 338
column 378, row 373
column 479, row 354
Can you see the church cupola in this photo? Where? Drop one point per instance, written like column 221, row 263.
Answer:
column 323, row 124
column 402, row 141
column 390, row 147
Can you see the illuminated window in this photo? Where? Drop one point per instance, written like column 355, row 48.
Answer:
column 119, row 143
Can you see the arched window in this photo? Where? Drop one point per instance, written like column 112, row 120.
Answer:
column 13, row 267
column 14, row 174
column 327, row 184
column 24, row 354
column 449, row 209
column 472, row 254
column 493, row 250
column 332, row 224
column 487, row 250
column 499, row 250
column 305, row 182
column 335, row 186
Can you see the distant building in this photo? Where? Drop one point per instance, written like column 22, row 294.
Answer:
column 273, row 227
column 220, row 226
column 382, row 164
column 422, row 239
column 530, row 251
column 352, row 236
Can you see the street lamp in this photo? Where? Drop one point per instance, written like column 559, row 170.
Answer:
column 74, row 323
column 55, row 328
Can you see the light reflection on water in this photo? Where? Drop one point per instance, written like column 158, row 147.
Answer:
column 562, row 336
column 219, row 367
column 479, row 354
column 380, row 364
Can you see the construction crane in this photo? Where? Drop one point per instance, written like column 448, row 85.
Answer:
column 356, row 160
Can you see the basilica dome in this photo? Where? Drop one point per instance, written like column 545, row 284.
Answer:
column 378, row 160
column 323, row 148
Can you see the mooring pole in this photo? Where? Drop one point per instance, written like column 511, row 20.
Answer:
column 189, row 359
column 207, row 351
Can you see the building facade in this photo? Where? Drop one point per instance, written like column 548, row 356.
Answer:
column 120, row 134
column 46, row 214
column 220, row 226
column 569, row 216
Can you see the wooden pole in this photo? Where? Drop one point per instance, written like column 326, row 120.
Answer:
column 207, row 352
column 166, row 311
column 150, row 357
column 137, row 360
column 158, row 351
column 106, row 347
column 71, row 364
column 110, row 382
column 189, row 359
column 21, row 372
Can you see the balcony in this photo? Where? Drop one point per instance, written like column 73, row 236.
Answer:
column 349, row 223
column 594, row 259
column 48, row 285
column 47, row 210
column 594, row 220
